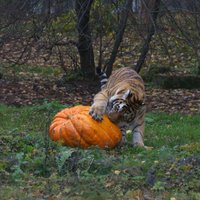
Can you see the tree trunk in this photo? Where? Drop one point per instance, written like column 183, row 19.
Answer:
column 85, row 41
column 151, row 31
column 119, row 37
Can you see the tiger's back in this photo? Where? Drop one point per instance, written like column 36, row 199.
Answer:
column 126, row 78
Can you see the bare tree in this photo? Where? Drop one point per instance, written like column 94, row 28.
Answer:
column 151, row 31
column 85, row 41
column 76, row 34
column 119, row 37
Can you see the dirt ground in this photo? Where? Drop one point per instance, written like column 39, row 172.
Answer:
column 35, row 90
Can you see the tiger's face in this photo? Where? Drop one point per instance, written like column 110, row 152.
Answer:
column 118, row 107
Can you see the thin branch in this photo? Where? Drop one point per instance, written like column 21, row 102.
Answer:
column 151, row 32
column 122, row 25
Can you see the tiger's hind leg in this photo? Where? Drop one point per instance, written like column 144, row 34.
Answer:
column 138, row 139
column 138, row 128
column 138, row 135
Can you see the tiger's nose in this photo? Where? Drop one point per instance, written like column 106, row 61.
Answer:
column 122, row 108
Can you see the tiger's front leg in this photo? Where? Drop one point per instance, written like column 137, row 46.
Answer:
column 98, row 108
column 123, row 131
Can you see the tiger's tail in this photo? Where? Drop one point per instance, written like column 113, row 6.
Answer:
column 102, row 76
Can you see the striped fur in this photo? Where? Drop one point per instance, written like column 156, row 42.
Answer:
column 122, row 99
column 103, row 77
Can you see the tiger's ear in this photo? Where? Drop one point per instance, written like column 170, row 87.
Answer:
column 127, row 95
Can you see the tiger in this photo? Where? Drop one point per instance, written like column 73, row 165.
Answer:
column 121, row 98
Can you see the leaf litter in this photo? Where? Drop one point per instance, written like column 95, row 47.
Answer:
column 33, row 91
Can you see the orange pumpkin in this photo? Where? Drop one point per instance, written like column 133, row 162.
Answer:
column 75, row 127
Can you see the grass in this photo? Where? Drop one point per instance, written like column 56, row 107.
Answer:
column 33, row 167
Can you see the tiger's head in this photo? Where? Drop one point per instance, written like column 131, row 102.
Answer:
column 121, row 106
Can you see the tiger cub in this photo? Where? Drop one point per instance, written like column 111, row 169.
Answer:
column 122, row 99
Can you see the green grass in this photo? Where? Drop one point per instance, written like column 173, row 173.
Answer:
column 33, row 167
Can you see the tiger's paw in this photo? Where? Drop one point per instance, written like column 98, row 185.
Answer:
column 96, row 113
column 148, row 148
column 138, row 144
column 141, row 145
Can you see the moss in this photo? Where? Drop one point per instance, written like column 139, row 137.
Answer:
column 192, row 147
column 174, row 82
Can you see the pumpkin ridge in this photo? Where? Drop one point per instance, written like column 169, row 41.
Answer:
column 102, row 127
column 76, row 135
column 87, row 143
column 111, row 127
column 107, row 133
column 96, row 136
